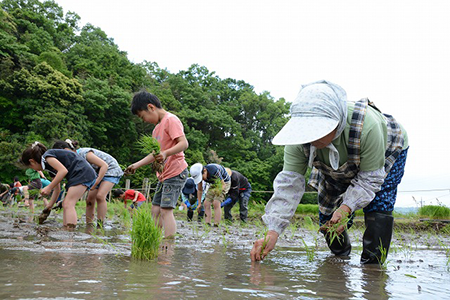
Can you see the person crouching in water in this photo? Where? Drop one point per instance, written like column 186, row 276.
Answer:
column 62, row 164
column 108, row 172
column 136, row 197
column 189, row 199
column 357, row 155
column 220, row 182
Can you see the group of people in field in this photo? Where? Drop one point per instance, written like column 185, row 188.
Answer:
column 95, row 171
column 356, row 153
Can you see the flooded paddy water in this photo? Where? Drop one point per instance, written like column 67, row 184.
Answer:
column 46, row 262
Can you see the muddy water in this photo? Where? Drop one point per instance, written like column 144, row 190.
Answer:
column 44, row 262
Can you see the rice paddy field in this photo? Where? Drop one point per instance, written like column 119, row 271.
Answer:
column 47, row 262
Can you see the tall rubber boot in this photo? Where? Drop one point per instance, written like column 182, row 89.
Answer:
column 227, row 212
column 377, row 237
column 341, row 245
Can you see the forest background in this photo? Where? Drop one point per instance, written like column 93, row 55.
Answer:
column 60, row 81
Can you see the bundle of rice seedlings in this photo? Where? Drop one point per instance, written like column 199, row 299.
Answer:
column 145, row 235
column 216, row 187
column 149, row 145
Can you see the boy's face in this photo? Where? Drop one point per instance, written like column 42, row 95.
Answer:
column 205, row 174
column 150, row 115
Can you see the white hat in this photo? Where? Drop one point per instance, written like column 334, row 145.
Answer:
column 316, row 111
column 196, row 172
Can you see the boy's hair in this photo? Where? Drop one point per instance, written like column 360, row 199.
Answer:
column 16, row 178
column 117, row 193
column 35, row 151
column 141, row 99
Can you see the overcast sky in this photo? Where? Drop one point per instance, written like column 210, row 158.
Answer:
column 396, row 53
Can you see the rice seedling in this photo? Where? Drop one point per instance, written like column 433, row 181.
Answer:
column 224, row 241
column 310, row 252
column 293, row 228
column 216, row 187
column 309, row 224
column 149, row 145
column 145, row 235
column 264, row 244
column 332, row 230
column 383, row 256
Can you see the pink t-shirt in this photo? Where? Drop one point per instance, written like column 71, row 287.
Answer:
column 166, row 132
column 130, row 194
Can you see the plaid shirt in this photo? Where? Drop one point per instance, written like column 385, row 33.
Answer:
column 332, row 184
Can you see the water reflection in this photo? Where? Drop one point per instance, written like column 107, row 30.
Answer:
column 217, row 273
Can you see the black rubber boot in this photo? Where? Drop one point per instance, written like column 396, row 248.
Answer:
column 377, row 237
column 341, row 245
column 227, row 212
column 201, row 214
column 190, row 214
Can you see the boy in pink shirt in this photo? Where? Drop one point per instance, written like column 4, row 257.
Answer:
column 169, row 132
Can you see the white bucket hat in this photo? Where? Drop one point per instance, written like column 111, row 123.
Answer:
column 196, row 172
column 317, row 110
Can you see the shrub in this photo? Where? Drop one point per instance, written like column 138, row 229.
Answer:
column 434, row 211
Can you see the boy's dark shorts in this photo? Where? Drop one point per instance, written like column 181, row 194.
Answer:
column 168, row 192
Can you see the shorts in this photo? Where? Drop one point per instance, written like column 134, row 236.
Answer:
column 211, row 196
column 168, row 191
column 89, row 184
column 137, row 204
column 112, row 179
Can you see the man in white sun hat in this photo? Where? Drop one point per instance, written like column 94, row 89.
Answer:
column 357, row 156
column 220, row 182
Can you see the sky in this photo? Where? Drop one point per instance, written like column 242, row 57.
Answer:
column 396, row 53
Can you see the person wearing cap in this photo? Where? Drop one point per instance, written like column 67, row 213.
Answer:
column 220, row 182
column 240, row 190
column 357, row 156
column 189, row 199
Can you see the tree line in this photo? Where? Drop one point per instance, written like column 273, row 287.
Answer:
column 60, row 81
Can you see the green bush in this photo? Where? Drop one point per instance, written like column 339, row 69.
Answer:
column 307, row 209
column 434, row 211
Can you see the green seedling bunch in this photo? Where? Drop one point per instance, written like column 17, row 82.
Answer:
column 383, row 256
column 332, row 229
column 310, row 252
column 264, row 244
column 216, row 187
column 149, row 145
column 146, row 236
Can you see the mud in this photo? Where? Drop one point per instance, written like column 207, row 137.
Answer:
column 20, row 230
column 45, row 261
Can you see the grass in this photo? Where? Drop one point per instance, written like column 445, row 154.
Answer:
column 307, row 209
column 434, row 211
column 145, row 235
